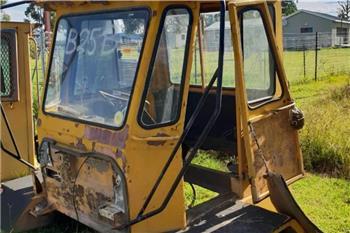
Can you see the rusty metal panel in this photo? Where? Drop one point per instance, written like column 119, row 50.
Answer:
column 280, row 146
column 84, row 188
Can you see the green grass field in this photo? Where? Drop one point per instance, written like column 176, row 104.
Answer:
column 325, row 138
column 330, row 62
column 326, row 201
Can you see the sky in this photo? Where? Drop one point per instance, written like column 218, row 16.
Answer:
column 323, row 6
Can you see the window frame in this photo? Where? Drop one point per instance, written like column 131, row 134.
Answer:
column 306, row 30
column 147, row 23
column 257, row 103
column 151, row 66
column 11, row 35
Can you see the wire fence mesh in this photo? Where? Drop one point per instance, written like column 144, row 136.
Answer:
column 6, row 85
column 315, row 56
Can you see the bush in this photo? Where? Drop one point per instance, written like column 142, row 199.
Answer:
column 325, row 139
column 33, row 50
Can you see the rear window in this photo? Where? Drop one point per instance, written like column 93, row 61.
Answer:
column 210, row 28
column 8, row 64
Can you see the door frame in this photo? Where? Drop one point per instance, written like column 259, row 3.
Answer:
column 246, row 115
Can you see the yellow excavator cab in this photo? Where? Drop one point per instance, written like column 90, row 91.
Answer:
column 135, row 90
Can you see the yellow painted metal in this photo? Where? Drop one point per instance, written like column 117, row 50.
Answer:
column 19, row 113
column 145, row 152
column 140, row 159
column 246, row 114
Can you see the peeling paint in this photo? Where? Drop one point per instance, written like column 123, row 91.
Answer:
column 119, row 155
column 38, row 122
column 158, row 142
column 80, row 145
column 108, row 137
column 162, row 135
column 99, row 165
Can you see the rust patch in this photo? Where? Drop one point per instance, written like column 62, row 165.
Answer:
column 96, row 199
column 160, row 142
column 38, row 122
column 108, row 137
column 119, row 155
column 79, row 194
column 91, row 201
column 80, row 145
column 99, row 165
column 161, row 135
column 76, row 125
column 115, row 155
column 93, row 146
column 156, row 143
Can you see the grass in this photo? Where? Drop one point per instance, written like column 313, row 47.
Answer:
column 326, row 201
column 325, row 137
column 330, row 62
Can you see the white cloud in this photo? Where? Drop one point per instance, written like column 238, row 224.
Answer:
column 328, row 7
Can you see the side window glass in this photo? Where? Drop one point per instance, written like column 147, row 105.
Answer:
column 162, row 97
column 210, row 27
column 8, row 64
column 259, row 67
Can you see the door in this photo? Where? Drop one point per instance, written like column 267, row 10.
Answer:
column 16, row 100
column 269, row 140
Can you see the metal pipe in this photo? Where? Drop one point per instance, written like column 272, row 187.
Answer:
column 9, row 130
column 18, row 156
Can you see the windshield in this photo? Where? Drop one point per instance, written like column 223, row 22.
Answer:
column 94, row 64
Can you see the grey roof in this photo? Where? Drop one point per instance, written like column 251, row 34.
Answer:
column 319, row 14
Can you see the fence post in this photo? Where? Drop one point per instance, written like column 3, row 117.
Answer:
column 316, row 51
column 304, row 60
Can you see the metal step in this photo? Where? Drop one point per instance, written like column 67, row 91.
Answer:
column 239, row 218
column 15, row 196
column 17, row 199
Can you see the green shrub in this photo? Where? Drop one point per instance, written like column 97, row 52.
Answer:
column 325, row 139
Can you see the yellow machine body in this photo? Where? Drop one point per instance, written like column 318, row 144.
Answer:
column 101, row 172
column 18, row 104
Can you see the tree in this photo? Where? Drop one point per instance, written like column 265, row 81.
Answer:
column 133, row 25
column 344, row 10
column 33, row 12
column 288, row 7
column 4, row 16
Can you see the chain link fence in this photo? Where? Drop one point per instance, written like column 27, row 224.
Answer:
column 316, row 56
